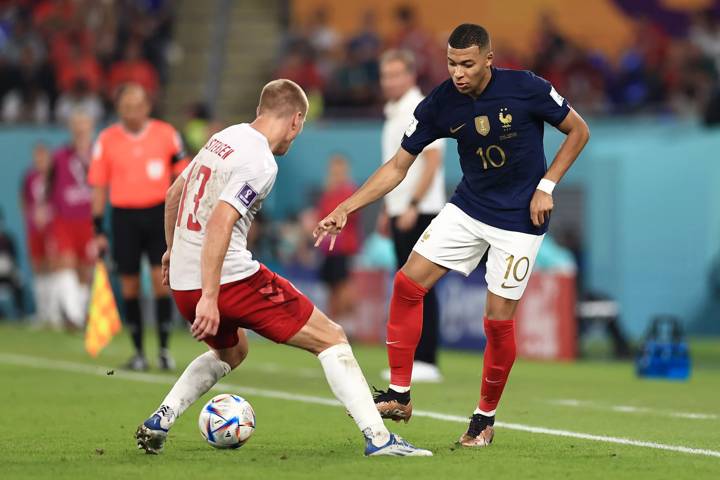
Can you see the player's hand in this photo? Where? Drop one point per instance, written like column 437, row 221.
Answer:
column 101, row 245
column 540, row 207
column 165, row 265
column 207, row 318
column 330, row 225
column 407, row 220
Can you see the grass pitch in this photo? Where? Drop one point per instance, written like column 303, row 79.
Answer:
column 65, row 417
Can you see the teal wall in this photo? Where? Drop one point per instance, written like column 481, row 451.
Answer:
column 652, row 203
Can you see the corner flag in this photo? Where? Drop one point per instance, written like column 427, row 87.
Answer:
column 103, row 316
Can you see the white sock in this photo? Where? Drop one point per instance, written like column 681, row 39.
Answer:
column 399, row 389
column 53, row 308
column 199, row 377
column 69, row 296
column 491, row 413
column 348, row 383
column 42, row 297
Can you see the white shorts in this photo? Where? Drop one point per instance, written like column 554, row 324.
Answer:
column 457, row 241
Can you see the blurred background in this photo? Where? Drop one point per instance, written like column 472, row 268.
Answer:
column 636, row 230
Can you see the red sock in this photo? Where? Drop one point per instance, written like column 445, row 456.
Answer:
column 404, row 328
column 498, row 360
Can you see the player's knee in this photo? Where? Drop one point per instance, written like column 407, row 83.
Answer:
column 337, row 334
column 500, row 308
column 333, row 335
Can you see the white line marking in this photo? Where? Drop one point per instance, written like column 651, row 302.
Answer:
column 571, row 402
column 277, row 368
column 50, row 364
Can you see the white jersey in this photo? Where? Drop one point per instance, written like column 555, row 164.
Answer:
column 398, row 116
column 235, row 166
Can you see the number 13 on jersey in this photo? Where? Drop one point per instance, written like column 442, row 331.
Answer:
column 203, row 174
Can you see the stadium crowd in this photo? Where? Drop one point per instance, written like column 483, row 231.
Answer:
column 658, row 73
column 60, row 55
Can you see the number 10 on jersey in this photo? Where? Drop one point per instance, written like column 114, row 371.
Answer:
column 494, row 156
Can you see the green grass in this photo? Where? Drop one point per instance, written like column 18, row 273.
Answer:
column 60, row 424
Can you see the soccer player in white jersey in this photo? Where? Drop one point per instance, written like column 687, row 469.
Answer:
column 221, row 290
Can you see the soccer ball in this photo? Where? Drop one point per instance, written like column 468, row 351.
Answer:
column 227, row 421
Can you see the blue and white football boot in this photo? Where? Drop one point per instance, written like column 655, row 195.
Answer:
column 396, row 446
column 151, row 435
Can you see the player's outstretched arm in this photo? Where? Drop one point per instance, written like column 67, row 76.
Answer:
column 380, row 183
column 578, row 135
column 215, row 244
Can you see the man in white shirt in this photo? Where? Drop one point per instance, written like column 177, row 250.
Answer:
column 221, row 290
column 413, row 204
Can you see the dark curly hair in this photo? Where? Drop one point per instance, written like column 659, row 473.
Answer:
column 468, row 35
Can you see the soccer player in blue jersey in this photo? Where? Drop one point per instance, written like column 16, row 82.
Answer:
column 503, row 204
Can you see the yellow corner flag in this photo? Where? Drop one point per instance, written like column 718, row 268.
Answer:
column 103, row 316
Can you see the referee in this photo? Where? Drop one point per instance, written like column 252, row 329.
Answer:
column 413, row 204
column 135, row 161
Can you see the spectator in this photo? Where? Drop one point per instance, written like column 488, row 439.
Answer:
column 365, row 44
column 353, row 86
column 79, row 98
column 688, row 76
column 49, row 46
column 22, row 40
column 324, row 41
column 550, row 43
column 299, row 66
column 335, row 269
column 30, row 82
column 148, row 22
column 133, row 69
column 411, row 36
column 52, row 16
column 80, row 65
column 28, row 104
column 323, row 37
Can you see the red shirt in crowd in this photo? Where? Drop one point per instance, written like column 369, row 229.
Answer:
column 133, row 71
column 348, row 242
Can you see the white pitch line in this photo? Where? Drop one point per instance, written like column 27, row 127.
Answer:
column 571, row 402
column 61, row 365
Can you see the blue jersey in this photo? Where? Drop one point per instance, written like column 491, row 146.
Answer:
column 500, row 141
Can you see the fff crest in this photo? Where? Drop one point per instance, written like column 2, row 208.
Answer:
column 505, row 119
column 482, row 125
